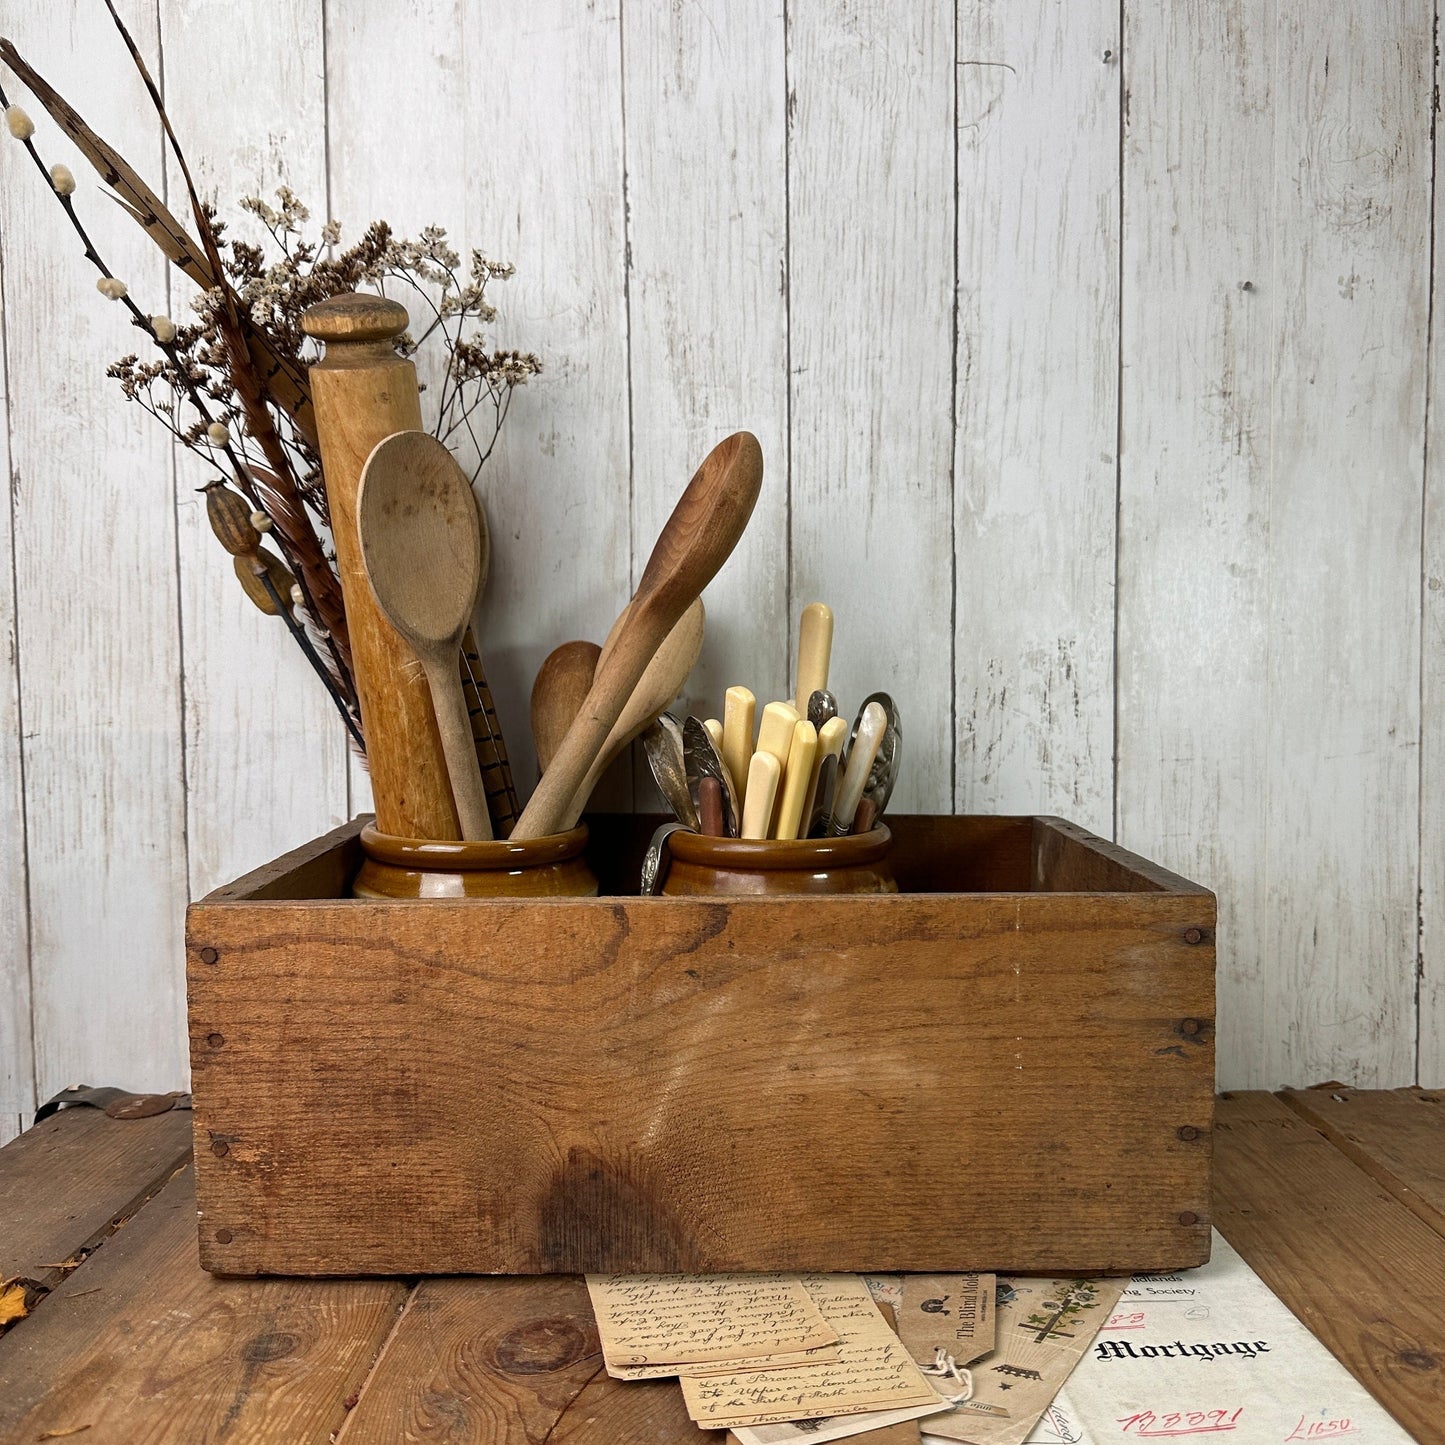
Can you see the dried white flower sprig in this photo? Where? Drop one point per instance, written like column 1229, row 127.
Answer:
column 233, row 385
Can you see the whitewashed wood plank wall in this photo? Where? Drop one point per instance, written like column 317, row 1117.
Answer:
column 1090, row 346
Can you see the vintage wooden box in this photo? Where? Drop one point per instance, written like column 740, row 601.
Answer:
column 1009, row 1065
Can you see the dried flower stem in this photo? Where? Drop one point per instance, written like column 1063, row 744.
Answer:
column 239, row 469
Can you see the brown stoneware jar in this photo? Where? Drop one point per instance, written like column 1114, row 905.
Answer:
column 550, row 867
column 854, row 864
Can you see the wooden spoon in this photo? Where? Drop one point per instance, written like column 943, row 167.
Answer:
column 421, row 544
column 699, row 537
column 660, row 682
column 561, row 686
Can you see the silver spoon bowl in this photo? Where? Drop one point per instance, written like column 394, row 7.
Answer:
column 701, row 760
column 662, row 743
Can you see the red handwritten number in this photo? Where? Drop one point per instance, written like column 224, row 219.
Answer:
column 1181, row 1422
column 1321, row 1429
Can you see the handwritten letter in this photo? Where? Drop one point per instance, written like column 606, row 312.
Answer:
column 873, row 1372
column 660, row 1319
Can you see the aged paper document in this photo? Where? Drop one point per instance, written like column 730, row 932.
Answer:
column 1043, row 1327
column 817, row 1355
column 838, row 1427
column 874, row 1371
column 661, row 1319
column 1208, row 1352
column 949, row 1312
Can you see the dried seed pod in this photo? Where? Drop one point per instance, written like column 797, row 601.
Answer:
column 255, row 589
column 230, row 516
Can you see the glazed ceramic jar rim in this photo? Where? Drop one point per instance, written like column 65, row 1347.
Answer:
column 476, row 856
column 766, row 854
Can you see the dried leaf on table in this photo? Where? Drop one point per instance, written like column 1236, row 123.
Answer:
column 12, row 1302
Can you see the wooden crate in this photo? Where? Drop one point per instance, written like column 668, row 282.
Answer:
column 1009, row 1065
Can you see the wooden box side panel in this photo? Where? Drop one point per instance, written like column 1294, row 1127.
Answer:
column 902, row 1083
column 1070, row 859
column 322, row 868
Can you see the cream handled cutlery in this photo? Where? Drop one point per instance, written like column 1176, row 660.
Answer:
column 866, row 742
column 815, row 647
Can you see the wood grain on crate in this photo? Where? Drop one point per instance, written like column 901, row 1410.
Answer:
column 635, row 1070
column 1360, row 1269
column 142, row 1344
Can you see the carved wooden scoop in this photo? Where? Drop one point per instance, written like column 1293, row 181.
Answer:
column 698, row 538
column 423, row 548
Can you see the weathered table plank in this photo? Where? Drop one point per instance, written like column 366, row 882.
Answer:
column 1336, row 1197
column 142, row 1347
column 71, row 1180
column 630, row 1412
column 1397, row 1136
column 1359, row 1269
column 480, row 1360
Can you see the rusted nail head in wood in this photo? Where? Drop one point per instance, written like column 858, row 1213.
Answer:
column 355, row 317
column 1188, row 1217
column 209, row 955
column 1194, row 935
column 1190, row 1026
column 224, row 1236
column 215, row 1040
column 1187, row 1132
column 220, row 1149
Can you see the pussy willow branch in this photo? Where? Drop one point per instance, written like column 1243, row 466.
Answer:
column 142, row 322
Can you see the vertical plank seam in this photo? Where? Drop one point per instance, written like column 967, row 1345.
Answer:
column 181, row 689
column 1123, row 96
column 789, row 644
column 348, row 790
column 1425, row 550
column 953, row 452
column 17, row 671
column 627, row 299
column 1266, row 891
column 636, row 775
column 402, row 1311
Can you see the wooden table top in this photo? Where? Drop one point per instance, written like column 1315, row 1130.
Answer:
column 1335, row 1196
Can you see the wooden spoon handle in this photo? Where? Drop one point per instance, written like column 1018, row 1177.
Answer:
column 699, row 537
column 458, row 747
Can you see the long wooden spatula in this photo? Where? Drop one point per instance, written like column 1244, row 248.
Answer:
column 698, row 538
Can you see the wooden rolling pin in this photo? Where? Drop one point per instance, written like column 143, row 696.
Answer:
column 363, row 392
